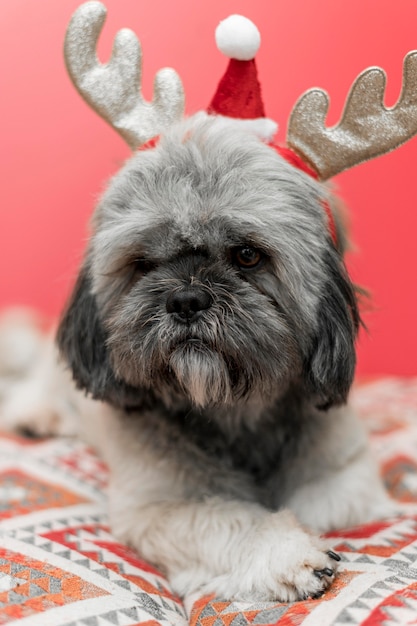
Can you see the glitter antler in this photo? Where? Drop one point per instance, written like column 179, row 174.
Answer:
column 367, row 128
column 113, row 89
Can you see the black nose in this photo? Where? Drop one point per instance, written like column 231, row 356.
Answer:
column 186, row 304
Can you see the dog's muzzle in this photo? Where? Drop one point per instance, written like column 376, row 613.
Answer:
column 186, row 305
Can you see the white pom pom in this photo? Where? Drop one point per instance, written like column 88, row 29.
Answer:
column 238, row 38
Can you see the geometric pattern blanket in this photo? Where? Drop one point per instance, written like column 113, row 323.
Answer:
column 61, row 566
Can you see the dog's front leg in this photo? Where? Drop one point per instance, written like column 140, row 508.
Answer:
column 232, row 549
column 213, row 544
column 335, row 483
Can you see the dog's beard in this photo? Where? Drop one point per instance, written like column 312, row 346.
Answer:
column 227, row 356
column 202, row 374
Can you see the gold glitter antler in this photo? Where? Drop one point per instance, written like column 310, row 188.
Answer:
column 367, row 128
column 113, row 89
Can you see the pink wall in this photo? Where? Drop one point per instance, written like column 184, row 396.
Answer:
column 56, row 153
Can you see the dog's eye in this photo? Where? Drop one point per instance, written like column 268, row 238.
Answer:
column 247, row 258
column 143, row 266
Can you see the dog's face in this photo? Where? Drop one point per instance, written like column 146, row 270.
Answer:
column 211, row 277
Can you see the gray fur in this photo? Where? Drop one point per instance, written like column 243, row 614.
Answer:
column 181, row 208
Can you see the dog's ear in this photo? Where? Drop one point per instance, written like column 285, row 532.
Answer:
column 82, row 339
column 330, row 366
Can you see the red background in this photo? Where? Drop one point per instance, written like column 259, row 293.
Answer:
column 56, row 153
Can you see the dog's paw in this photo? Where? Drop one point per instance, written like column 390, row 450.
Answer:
column 286, row 563
column 32, row 411
column 310, row 570
column 279, row 562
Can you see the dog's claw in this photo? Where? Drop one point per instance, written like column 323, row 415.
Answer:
column 321, row 573
column 334, row 555
column 28, row 432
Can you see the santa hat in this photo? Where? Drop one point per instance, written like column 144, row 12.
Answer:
column 238, row 94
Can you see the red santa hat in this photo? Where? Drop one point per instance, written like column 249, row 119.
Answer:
column 238, row 94
column 239, row 91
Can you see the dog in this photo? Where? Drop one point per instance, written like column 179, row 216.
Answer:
column 214, row 323
column 211, row 338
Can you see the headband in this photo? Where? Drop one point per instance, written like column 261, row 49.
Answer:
column 367, row 128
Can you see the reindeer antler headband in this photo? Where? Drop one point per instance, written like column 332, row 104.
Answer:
column 113, row 89
column 367, row 128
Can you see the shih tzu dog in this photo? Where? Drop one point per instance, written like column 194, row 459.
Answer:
column 213, row 328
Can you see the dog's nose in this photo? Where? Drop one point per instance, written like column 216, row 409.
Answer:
column 186, row 304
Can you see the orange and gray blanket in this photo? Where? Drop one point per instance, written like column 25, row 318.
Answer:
column 60, row 565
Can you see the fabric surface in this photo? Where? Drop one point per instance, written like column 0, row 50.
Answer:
column 60, row 565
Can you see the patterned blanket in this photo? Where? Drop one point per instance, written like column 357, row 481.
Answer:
column 60, row 565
